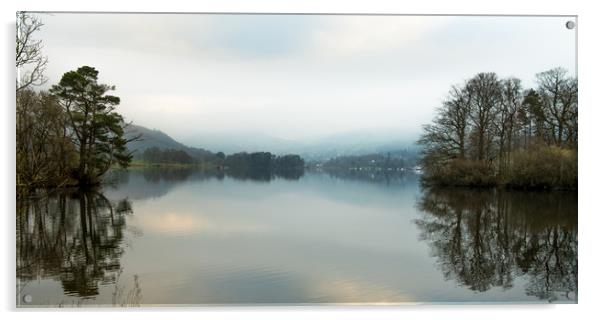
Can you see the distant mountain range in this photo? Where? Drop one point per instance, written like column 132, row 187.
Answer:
column 317, row 149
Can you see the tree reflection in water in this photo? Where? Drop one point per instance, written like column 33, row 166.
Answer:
column 75, row 238
column 487, row 238
column 180, row 174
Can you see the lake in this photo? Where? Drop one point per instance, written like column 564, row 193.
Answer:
column 169, row 236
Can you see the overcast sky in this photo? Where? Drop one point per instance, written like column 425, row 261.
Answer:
column 292, row 76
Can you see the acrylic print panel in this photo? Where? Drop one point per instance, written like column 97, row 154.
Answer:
column 274, row 159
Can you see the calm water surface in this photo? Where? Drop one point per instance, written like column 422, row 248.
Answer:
column 182, row 236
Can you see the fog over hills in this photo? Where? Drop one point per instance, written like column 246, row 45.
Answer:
column 347, row 143
column 357, row 142
column 254, row 82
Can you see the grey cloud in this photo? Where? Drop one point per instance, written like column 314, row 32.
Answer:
column 296, row 76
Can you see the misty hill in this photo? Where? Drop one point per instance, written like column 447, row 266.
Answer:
column 150, row 138
column 319, row 149
column 232, row 142
column 358, row 142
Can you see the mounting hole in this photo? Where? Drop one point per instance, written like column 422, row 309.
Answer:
column 27, row 298
column 570, row 24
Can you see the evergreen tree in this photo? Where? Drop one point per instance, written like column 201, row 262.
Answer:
column 98, row 131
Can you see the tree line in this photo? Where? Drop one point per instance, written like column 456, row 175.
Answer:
column 257, row 161
column 67, row 135
column 262, row 161
column 261, row 166
column 156, row 155
column 491, row 131
column 368, row 161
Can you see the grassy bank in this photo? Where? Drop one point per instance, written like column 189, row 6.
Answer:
column 545, row 168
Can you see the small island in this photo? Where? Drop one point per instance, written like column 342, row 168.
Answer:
column 493, row 132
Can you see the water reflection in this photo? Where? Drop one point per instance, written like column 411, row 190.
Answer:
column 379, row 177
column 181, row 174
column 72, row 237
column 264, row 175
column 484, row 239
column 351, row 237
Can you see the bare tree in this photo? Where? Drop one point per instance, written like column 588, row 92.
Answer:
column 559, row 98
column 507, row 110
column 447, row 135
column 30, row 61
column 569, row 99
column 485, row 91
column 459, row 108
